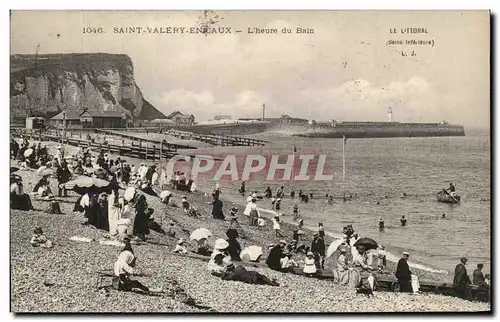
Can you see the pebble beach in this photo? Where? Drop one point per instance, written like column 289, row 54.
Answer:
column 63, row 279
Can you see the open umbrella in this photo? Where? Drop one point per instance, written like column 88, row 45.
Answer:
column 28, row 152
column 333, row 247
column 200, row 233
column 84, row 184
column 129, row 193
column 251, row 254
column 368, row 243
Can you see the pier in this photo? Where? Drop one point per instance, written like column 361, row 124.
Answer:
column 154, row 153
column 218, row 140
column 140, row 140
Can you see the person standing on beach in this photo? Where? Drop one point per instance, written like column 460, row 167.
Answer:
column 268, row 193
column 295, row 212
column 461, row 281
column 279, row 192
column 321, row 230
column 277, row 206
column 63, row 176
column 276, row 226
column 318, row 248
column 403, row 220
column 242, row 188
column 403, row 273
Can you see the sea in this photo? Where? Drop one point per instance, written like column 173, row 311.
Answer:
column 377, row 173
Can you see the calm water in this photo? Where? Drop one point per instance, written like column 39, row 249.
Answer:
column 377, row 168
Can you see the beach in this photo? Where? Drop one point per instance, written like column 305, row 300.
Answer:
column 62, row 279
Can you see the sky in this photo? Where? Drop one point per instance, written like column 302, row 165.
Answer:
column 345, row 70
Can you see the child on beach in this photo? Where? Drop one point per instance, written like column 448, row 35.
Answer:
column 261, row 223
column 185, row 204
column 277, row 227
column 233, row 217
column 277, row 206
column 309, row 265
column 180, row 248
column 39, row 239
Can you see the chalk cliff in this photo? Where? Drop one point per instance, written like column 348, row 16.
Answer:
column 53, row 83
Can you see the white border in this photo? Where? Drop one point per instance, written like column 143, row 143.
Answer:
column 144, row 5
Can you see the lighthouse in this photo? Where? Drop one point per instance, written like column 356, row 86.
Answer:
column 263, row 112
column 389, row 113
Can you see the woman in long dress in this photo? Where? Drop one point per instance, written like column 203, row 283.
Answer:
column 362, row 278
column 343, row 267
column 141, row 224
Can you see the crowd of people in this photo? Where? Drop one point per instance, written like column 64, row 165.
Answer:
column 128, row 217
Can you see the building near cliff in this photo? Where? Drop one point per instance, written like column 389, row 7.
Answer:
column 45, row 84
column 222, row 117
column 181, row 119
column 90, row 119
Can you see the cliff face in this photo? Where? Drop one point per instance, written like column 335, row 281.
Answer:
column 53, row 83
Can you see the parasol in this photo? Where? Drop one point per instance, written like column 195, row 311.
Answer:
column 251, row 254
column 200, row 233
column 84, row 184
column 129, row 193
column 368, row 243
column 28, row 152
column 333, row 247
column 221, row 244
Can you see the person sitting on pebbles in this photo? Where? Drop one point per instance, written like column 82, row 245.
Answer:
column 39, row 239
column 261, row 223
column 233, row 217
column 180, row 247
column 165, row 197
column 219, row 257
column 277, row 259
column 171, row 229
column 185, row 204
column 240, row 274
column 204, row 247
column 123, row 268
column 53, row 207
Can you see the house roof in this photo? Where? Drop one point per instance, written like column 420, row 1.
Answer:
column 187, row 116
column 77, row 114
column 97, row 113
column 174, row 113
column 70, row 115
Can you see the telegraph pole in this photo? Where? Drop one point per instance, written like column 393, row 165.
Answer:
column 64, row 132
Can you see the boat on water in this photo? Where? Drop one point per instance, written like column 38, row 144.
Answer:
column 444, row 196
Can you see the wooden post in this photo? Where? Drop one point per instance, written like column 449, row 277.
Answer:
column 147, row 143
column 154, row 150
